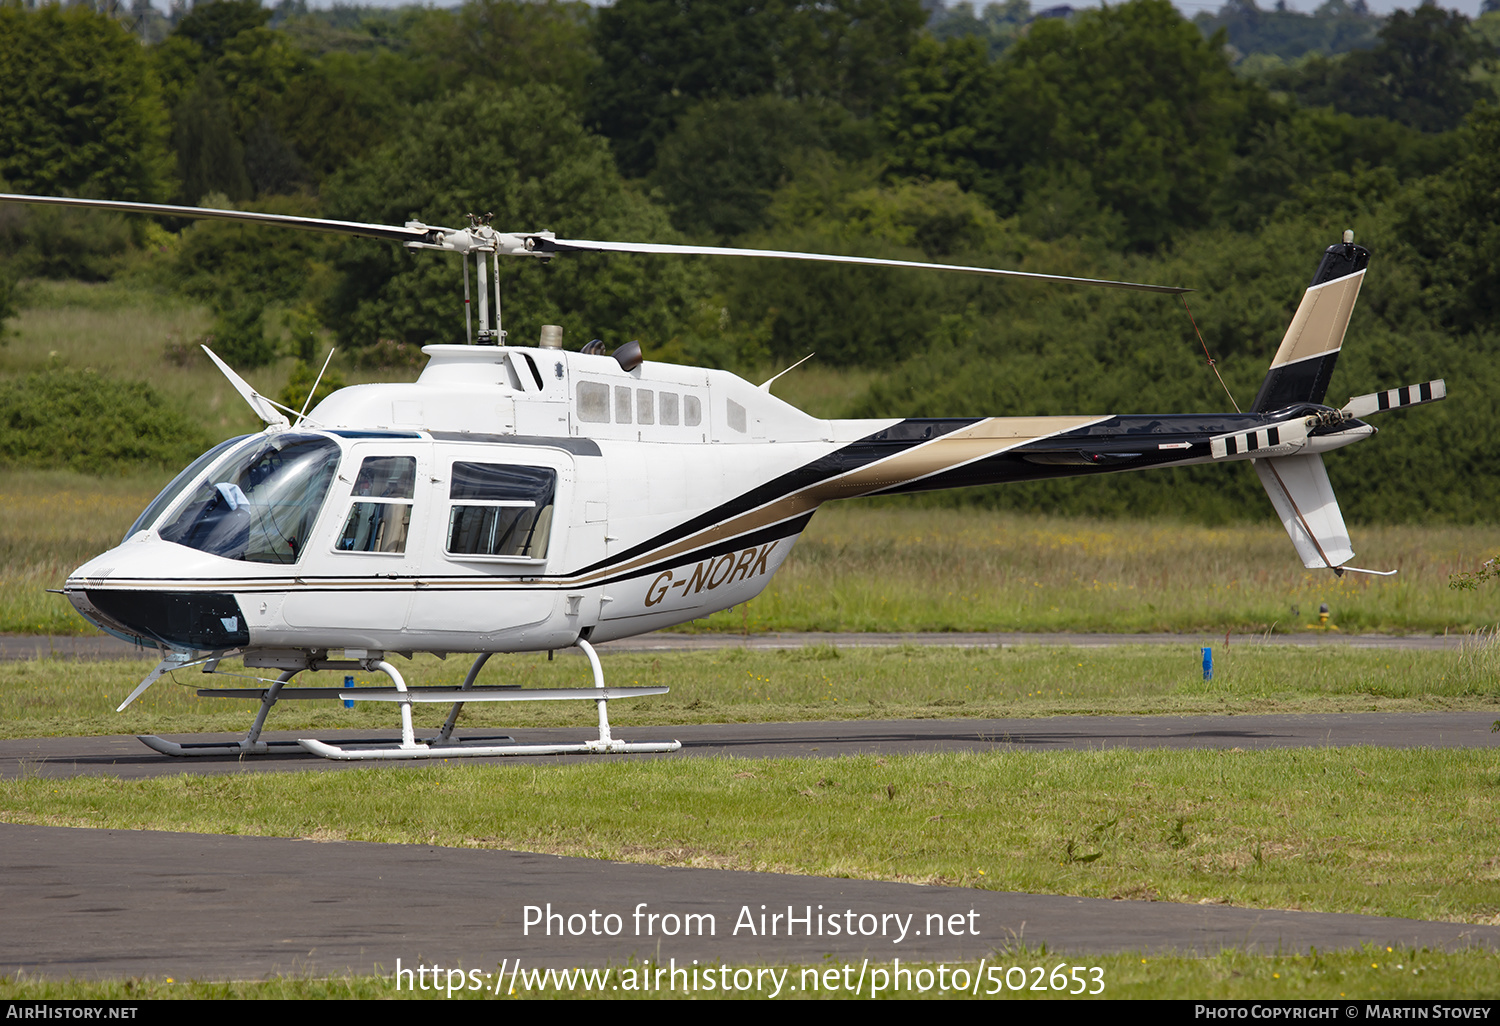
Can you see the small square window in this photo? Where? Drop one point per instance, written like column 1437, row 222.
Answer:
column 593, row 402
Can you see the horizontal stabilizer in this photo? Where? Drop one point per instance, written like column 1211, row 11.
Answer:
column 1395, row 398
column 1283, row 439
column 1304, row 499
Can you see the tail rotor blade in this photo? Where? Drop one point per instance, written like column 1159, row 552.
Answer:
column 1395, row 398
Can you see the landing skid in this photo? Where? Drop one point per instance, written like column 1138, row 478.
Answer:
column 444, row 745
column 220, row 749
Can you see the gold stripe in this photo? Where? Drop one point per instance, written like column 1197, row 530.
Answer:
column 1320, row 322
column 986, row 438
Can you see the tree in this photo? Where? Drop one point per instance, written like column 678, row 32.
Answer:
column 510, row 42
column 724, row 160
column 523, row 156
column 81, row 110
column 1452, row 222
column 1419, row 74
column 213, row 25
column 660, row 57
column 1130, row 103
column 235, row 112
column 945, row 121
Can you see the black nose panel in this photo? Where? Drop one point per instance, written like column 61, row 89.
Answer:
column 191, row 619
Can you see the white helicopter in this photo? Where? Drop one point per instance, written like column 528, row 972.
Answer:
column 524, row 498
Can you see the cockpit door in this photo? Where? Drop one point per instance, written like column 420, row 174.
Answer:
column 495, row 533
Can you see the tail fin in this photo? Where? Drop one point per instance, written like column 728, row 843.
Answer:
column 1302, row 367
column 1304, row 500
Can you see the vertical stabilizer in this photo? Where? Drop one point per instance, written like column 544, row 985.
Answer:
column 1303, row 364
column 1304, row 499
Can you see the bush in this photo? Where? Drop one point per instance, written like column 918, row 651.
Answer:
column 83, row 421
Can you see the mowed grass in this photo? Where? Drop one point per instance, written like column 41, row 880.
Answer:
column 65, row 697
column 887, row 568
column 137, row 332
column 1390, row 832
column 1371, row 972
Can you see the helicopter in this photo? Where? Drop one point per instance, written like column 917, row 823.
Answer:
column 527, row 498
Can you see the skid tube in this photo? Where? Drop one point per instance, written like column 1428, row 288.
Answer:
column 442, row 747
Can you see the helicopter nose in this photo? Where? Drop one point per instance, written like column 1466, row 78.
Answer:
column 182, row 620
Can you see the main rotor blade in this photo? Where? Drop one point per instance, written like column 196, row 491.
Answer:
column 543, row 244
column 394, row 233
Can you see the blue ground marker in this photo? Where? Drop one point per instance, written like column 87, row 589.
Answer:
column 1208, row 664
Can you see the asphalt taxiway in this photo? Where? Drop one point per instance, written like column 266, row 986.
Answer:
column 109, row 904
column 127, row 758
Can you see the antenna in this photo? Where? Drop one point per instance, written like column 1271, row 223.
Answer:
column 765, row 386
column 302, row 413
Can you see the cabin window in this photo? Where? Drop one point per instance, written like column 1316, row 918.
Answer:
column 380, row 526
column 692, row 411
column 736, row 416
column 500, row 510
column 180, row 484
column 622, row 404
column 593, row 402
column 668, row 407
column 260, row 505
column 645, row 406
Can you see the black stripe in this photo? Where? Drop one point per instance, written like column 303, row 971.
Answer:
column 882, row 444
column 1339, row 261
column 1305, row 381
column 1383, row 401
column 1273, row 436
column 775, row 532
column 1425, row 390
column 576, row 446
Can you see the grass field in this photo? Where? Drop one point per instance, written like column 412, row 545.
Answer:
column 1388, row 973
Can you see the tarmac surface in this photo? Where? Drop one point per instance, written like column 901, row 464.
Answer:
column 112, row 903
column 109, row 904
column 128, row 759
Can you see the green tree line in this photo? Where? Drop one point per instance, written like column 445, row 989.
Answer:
column 1126, row 141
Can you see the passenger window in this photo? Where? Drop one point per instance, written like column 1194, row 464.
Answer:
column 645, row 408
column 668, row 407
column 504, row 510
column 622, row 404
column 736, row 416
column 692, row 411
column 593, row 402
column 383, row 525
